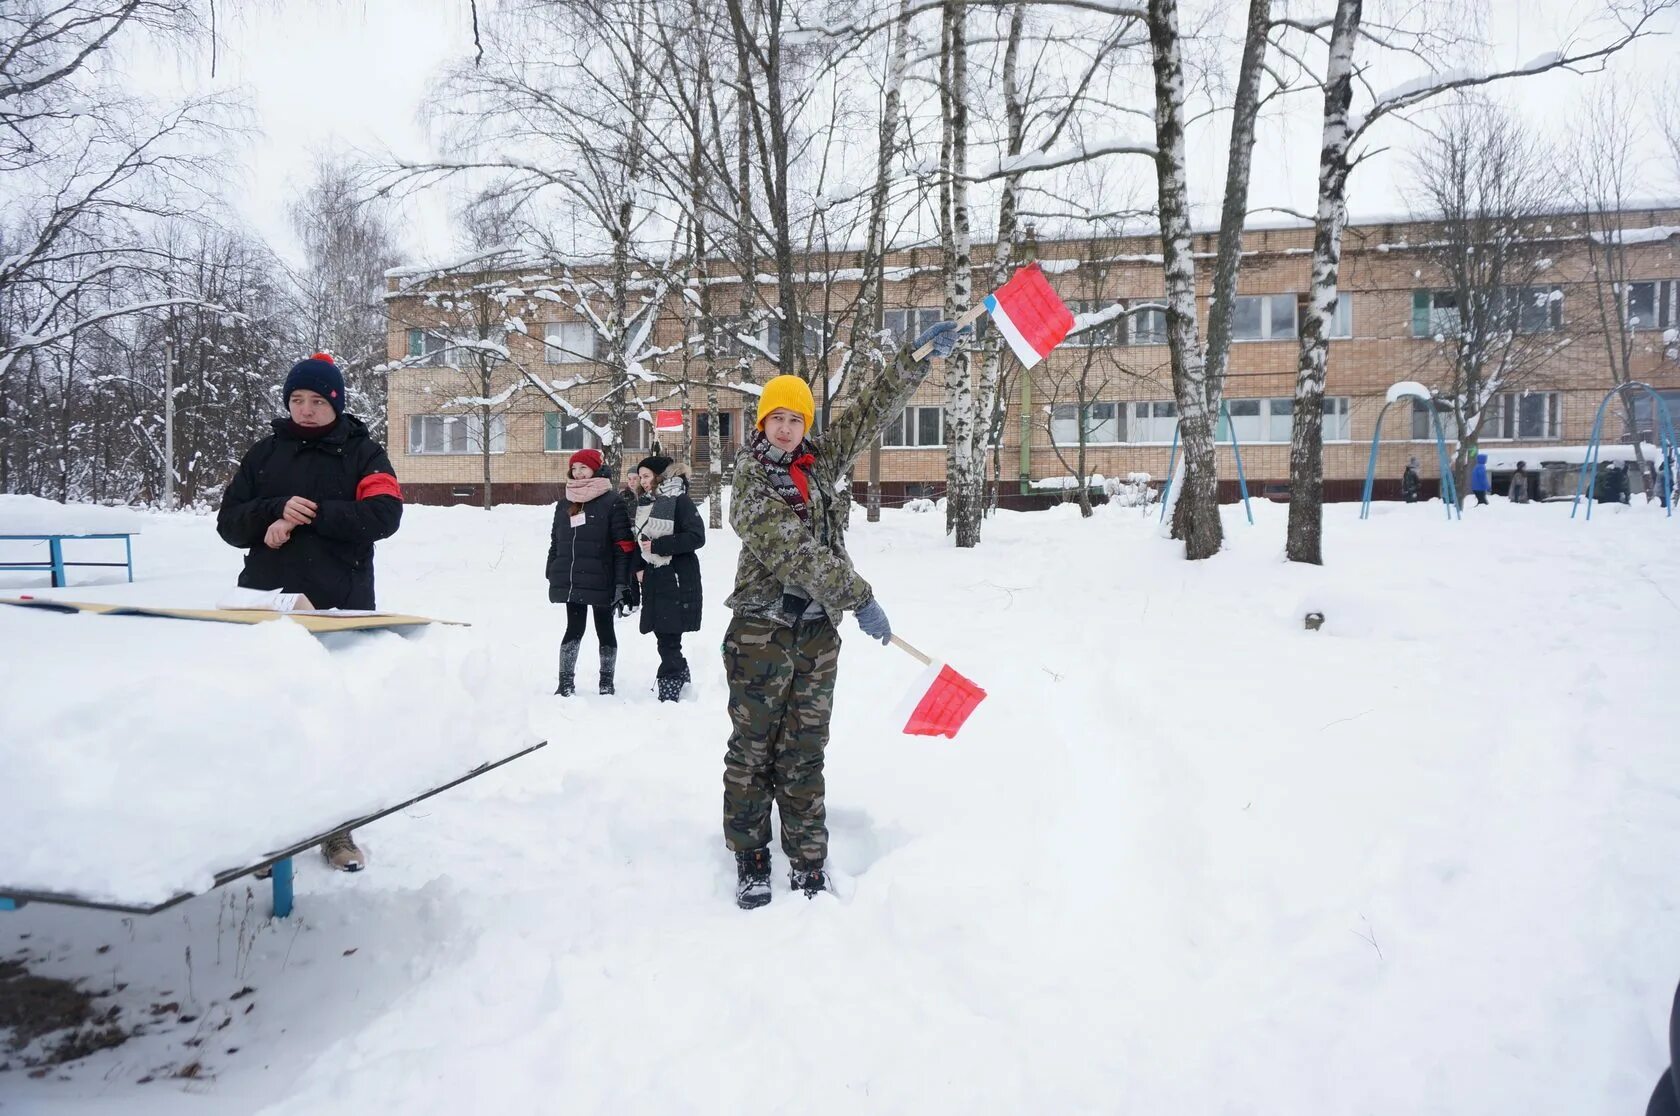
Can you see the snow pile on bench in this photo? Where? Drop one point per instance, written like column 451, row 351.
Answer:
column 31, row 515
column 144, row 756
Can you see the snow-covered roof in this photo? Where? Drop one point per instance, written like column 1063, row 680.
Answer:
column 1504, row 458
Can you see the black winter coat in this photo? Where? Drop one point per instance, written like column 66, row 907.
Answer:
column 671, row 596
column 358, row 502
column 588, row 563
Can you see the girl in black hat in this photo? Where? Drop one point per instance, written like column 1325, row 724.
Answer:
column 668, row 532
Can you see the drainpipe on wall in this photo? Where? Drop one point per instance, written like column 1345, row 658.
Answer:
column 1026, row 432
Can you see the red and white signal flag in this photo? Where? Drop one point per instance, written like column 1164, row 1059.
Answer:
column 1033, row 319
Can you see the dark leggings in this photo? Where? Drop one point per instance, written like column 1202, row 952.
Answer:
column 671, row 661
column 577, row 615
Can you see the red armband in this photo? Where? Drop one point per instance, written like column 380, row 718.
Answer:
column 378, row 484
column 627, row 546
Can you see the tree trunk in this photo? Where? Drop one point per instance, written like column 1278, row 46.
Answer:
column 962, row 511
column 1196, row 517
column 1306, row 444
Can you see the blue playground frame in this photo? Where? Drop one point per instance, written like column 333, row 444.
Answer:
column 1449, row 487
column 1588, row 480
column 1236, row 449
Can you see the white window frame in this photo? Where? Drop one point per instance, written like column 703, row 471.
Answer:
column 1449, row 423
column 908, row 322
column 1274, row 421
column 557, row 349
column 442, row 354
column 1065, row 416
column 1665, row 305
column 900, row 428
column 1106, row 335
column 1502, row 418
column 1269, row 325
column 472, row 442
column 1145, row 419
column 1341, row 322
column 1135, row 334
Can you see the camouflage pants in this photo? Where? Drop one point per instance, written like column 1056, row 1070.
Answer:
column 781, row 694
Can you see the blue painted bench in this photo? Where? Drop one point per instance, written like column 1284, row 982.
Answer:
column 55, row 563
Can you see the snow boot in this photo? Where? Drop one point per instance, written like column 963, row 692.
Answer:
column 341, row 852
column 752, row 878
column 568, row 668
column 810, row 880
column 609, row 661
column 670, row 688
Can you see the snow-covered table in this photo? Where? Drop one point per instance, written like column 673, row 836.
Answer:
column 151, row 758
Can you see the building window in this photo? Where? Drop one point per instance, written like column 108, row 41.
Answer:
column 1523, row 309
column 1338, row 425
column 1263, row 317
column 1099, row 336
column 1273, row 420
column 1522, row 416
column 562, row 433
column 1341, row 319
column 1146, row 327
column 449, row 434
column 819, row 335
column 1434, row 314
column 916, row 426
column 1423, row 430
column 1530, row 309
column 703, row 425
column 908, row 324
column 568, row 342
column 431, row 350
column 1645, row 414
column 1152, row 422
column 1104, row 424
column 1652, row 304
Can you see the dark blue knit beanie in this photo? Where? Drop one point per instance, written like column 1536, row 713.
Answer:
column 320, row 375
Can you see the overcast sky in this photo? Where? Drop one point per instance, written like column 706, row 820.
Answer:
column 323, row 74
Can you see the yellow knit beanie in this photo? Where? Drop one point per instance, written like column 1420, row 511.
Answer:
column 787, row 393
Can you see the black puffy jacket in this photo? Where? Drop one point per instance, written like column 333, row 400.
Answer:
column 671, row 596
column 358, row 503
column 588, row 563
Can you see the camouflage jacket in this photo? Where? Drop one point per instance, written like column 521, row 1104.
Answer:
column 779, row 551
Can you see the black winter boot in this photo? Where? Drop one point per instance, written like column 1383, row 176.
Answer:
column 752, row 879
column 808, row 879
column 568, row 668
column 609, row 662
column 670, row 689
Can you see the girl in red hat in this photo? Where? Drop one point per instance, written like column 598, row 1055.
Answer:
column 589, row 555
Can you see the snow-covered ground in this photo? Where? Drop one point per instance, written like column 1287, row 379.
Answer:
column 1188, row 857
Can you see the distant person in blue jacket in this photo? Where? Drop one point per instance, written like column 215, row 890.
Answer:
column 1479, row 479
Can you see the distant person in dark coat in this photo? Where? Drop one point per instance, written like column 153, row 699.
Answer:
column 668, row 532
column 1519, row 484
column 307, row 505
column 589, row 554
column 1409, row 481
column 1480, row 486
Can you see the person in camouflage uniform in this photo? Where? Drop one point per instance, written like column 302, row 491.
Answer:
column 793, row 584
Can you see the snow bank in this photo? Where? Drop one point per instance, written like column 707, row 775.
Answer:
column 29, row 515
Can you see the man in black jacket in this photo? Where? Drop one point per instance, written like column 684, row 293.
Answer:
column 307, row 504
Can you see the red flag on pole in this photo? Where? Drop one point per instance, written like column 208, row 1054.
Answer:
column 667, row 420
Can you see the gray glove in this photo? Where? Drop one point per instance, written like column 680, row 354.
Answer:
column 943, row 337
column 872, row 618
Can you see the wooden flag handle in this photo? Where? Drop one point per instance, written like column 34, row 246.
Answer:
column 911, row 651
column 968, row 318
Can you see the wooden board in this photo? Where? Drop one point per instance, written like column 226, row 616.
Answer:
column 292, row 848
column 318, row 623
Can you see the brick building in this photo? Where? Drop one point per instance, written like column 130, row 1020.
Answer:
column 1385, row 331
